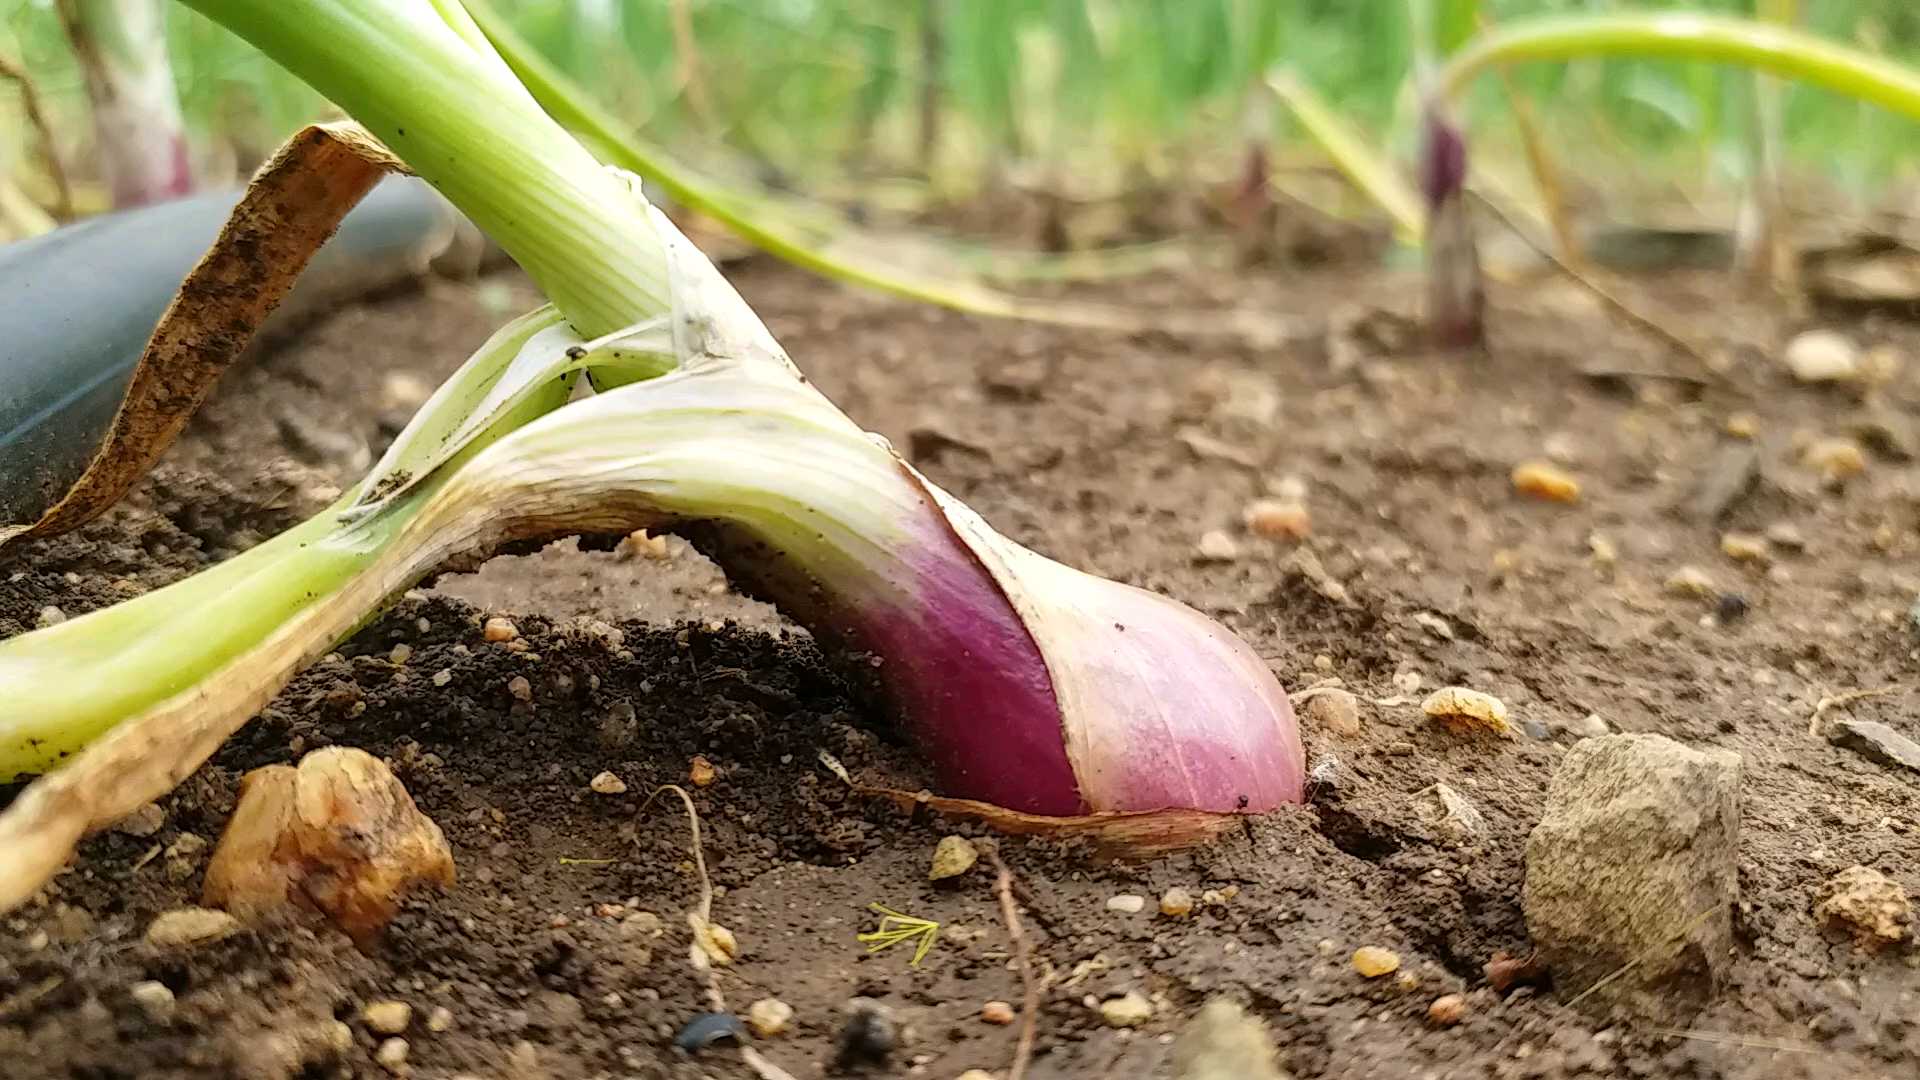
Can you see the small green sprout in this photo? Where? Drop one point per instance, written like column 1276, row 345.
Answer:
column 896, row 928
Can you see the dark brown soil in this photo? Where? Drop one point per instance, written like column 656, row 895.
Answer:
column 1113, row 453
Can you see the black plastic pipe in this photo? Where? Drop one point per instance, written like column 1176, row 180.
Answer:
column 78, row 304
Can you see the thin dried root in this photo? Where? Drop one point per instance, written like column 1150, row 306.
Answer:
column 1023, row 954
column 1834, row 701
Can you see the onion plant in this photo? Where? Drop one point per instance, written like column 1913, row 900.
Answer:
column 1031, row 687
column 138, row 131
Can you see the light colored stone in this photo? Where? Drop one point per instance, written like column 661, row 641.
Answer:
column 1450, row 814
column 1691, row 581
column 997, row 1012
column 499, row 629
column 1278, row 519
column 1745, row 547
column 952, row 856
column 185, row 928
column 1544, row 480
column 1216, row 546
column 1335, row 711
column 1176, row 903
column 769, row 1017
column 606, row 783
column 1222, row 1042
column 146, row 820
column 440, row 1019
column 1634, row 868
column 1822, row 356
column 387, row 1017
column 1447, row 1010
column 392, row 1056
column 1867, row 904
column 1128, row 1010
column 1835, row 459
column 1127, row 903
column 154, row 999
column 1372, row 961
column 1462, row 710
column 1876, row 742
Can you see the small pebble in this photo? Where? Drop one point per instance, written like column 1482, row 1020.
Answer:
column 870, row 1035
column 1176, row 903
column 606, row 783
column 1745, row 547
column 1372, row 961
column 1785, row 535
column 645, row 545
column 997, row 1012
column 188, row 927
column 1542, row 480
column 520, row 688
column 1460, row 709
column 1743, row 425
column 1128, row 1010
column 400, row 654
column 1729, row 608
column 148, row 819
column 1289, row 488
column 1127, row 904
column 1590, row 726
column 1447, row 1010
column 1822, row 356
column 1216, row 546
column 387, row 1017
column 976, row 1074
column 1835, row 459
column 700, row 771
column 443, row 677
column 1278, row 520
column 392, row 1055
column 708, row 1029
column 1604, row 551
column 498, row 629
column 952, row 856
column 1869, row 905
column 1691, row 581
column 440, row 1019
column 1335, row 711
column 153, row 998
column 769, row 1017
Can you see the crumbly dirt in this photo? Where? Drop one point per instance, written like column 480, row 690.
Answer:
column 561, row 951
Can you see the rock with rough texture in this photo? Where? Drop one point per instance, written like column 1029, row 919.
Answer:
column 337, row 834
column 1867, row 904
column 1875, row 741
column 1223, row 1043
column 952, row 856
column 1634, row 866
column 1450, row 814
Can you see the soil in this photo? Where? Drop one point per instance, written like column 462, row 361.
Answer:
column 562, row 950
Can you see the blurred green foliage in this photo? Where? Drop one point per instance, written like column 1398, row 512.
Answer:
column 1083, row 90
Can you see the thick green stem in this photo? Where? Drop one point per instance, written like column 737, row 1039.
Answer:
column 1772, row 48
column 420, row 77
